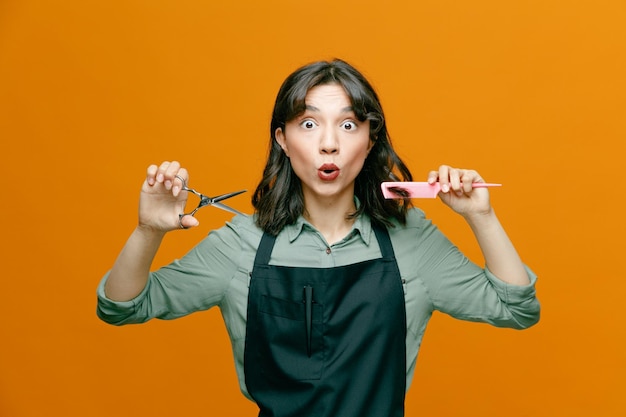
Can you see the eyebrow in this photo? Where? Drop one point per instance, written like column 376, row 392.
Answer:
column 315, row 109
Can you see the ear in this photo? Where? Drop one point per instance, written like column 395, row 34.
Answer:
column 280, row 138
column 370, row 145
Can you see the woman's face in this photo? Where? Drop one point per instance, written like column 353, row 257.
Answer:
column 327, row 145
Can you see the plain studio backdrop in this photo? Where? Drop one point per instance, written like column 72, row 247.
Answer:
column 532, row 94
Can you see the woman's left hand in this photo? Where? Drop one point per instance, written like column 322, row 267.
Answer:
column 457, row 191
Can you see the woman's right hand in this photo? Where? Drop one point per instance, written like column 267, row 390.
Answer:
column 162, row 199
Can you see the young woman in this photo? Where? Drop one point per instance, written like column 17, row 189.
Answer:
column 327, row 289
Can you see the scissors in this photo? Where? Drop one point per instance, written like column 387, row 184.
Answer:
column 207, row 201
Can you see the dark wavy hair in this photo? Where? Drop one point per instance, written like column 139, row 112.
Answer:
column 278, row 199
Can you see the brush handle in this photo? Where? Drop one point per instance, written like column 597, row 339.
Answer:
column 420, row 189
column 485, row 184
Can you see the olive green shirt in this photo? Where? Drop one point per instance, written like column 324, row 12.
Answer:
column 435, row 276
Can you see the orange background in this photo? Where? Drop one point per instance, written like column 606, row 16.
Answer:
column 530, row 93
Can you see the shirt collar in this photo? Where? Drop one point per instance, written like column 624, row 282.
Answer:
column 362, row 226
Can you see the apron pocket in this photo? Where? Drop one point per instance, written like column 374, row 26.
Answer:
column 284, row 326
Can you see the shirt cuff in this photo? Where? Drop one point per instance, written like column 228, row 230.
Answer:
column 116, row 312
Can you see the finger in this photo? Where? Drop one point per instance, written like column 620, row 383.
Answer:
column 468, row 178
column 455, row 180
column 444, row 178
column 170, row 174
column 160, row 175
column 172, row 170
column 186, row 221
column 433, row 176
column 181, row 179
column 151, row 174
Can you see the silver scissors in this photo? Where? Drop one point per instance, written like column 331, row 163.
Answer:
column 207, row 201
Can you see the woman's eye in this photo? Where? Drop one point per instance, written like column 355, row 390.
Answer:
column 349, row 126
column 307, row 124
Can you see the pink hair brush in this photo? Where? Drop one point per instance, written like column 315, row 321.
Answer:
column 406, row 189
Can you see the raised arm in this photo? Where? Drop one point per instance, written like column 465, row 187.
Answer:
column 161, row 201
column 473, row 204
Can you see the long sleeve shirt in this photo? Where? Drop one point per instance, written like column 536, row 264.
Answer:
column 436, row 276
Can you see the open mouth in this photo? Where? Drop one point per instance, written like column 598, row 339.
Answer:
column 328, row 172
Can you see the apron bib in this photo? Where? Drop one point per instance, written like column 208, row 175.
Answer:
column 326, row 341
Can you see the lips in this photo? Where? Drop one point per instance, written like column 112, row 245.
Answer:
column 328, row 172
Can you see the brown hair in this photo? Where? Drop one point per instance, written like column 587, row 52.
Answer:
column 278, row 198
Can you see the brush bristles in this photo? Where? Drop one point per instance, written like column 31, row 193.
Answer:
column 399, row 192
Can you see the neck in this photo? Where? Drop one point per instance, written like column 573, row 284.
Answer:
column 330, row 217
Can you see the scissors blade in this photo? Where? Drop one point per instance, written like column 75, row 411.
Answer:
column 227, row 195
column 225, row 207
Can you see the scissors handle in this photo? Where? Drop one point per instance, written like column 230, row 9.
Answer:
column 208, row 201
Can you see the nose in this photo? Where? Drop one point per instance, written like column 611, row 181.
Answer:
column 329, row 142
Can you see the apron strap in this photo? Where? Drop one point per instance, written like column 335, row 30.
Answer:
column 264, row 251
column 384, row 242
